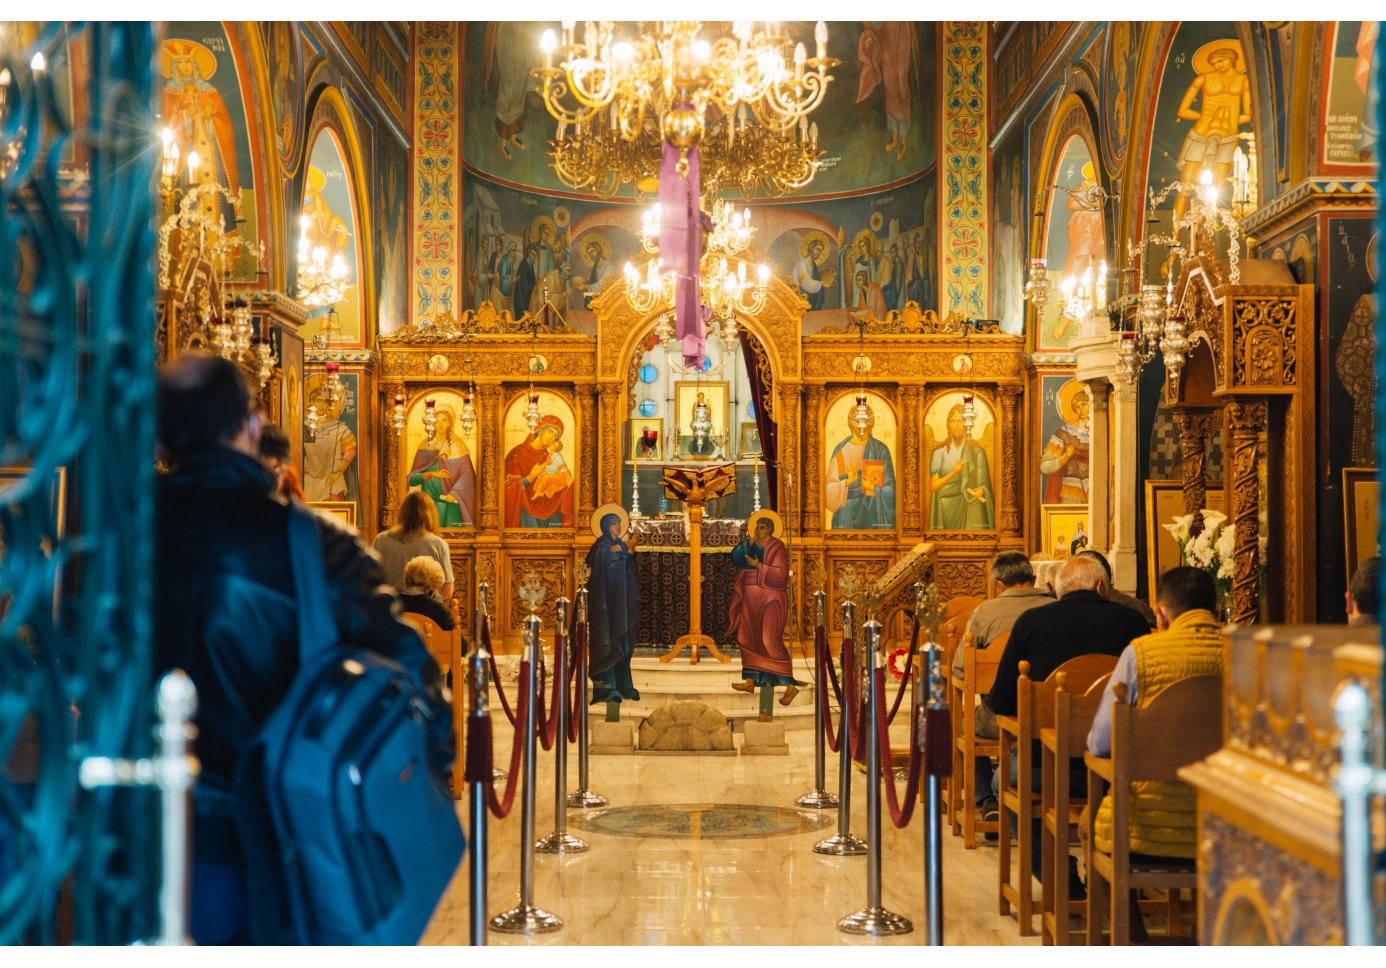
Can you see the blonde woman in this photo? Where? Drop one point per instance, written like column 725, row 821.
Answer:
column 416, row 533
column 423, row 580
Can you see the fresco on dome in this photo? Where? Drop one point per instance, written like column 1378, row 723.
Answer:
column 1075, row 236
column 331, row 225
column 867, row 253
column 878, row 121
column 1203, row 120
column 1121, row 50
column 1349, row 115
column 286, row 86
column 1010, row 232
column 201, row 103
column 392, row 231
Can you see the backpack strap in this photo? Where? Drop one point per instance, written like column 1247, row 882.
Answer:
column 317, row 629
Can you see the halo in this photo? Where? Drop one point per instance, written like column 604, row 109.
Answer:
column 1089, row 172
column 542, row 220
column 314, row 384
column 317, row 179
column 205, row 60
column 810, row 239
column 1067, row 392
column 599, row 240
column 877, row 221
column 775, row 519
column 606, row 509
column 561, row 218
column 864, row 234
column 1203, row 56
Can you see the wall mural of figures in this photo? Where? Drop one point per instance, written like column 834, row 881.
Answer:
column 1203, row 120
column 872, row 252
column 444, row 467
column 1350, row 95
column 961, row 463
column 1351, row 310
column 331, row 465
column 540, row 467
column 1121, row 52
column 392, row 231
column 330, row 211
column 859, row 488
column 286, row 87
column 1064, row 440
column 202, row 103
column 878, row 121
column 1009, row 233
column 1075, row 235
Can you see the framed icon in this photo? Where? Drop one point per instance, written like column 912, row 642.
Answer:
column 1164, row 501
column 646, row 438
column 1361, row 516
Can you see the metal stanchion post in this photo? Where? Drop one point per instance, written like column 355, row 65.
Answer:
column 174, row 772
column 843, row 843
column 1357, row 781
column 583, row 797
column 482, row 613
column 873, row 919
column 818, row 798
column 560, row 841
column 935, row 699
column 479, row 670
column 525, row 918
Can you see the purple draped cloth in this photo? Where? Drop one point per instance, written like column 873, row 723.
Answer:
column 681, row 247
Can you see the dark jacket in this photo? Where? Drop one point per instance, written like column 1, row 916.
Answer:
column 1080, row 623
column 428, row 607
column 225, row 610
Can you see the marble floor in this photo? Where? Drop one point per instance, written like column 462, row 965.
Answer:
column 767, row 889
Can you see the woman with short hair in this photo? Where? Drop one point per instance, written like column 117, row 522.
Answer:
column 423, row 580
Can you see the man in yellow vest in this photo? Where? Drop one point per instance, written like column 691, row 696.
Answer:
column 1189, row 642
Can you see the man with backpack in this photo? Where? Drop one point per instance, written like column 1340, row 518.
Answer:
column 231, row 613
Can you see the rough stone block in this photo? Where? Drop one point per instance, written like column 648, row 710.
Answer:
column 764, row 739
column 683, row 726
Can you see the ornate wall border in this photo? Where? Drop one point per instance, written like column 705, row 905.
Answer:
column 437, row 172
column 963, row 214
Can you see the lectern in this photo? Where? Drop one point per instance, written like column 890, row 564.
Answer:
column 695, row 488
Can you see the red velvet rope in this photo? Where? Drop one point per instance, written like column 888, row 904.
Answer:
column 825, row 663
column 495, row 673
column 828, row 661
column 898, row 816
column 500, row 808
column 576, row 680
column 909, row 672
column 548, row 714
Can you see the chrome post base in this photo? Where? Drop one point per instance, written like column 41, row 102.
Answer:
column 526, row 920
column 586, row 799
column 561, row 843
column 817, row 800
column 876, row 922
column 841, row 846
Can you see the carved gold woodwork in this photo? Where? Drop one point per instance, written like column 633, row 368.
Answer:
column 1195, row 427
column 1008, row 510
column 813, row 459
column 489, row 400
column 911, row 446
column 1246, row 420
column 553, row 575
column 1269, row 852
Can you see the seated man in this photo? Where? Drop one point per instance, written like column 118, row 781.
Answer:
column 1113, row 594
column 1016, row 593
column 423, row 583
column 1081, row 622
column 1361, row 594
column 1164, row 817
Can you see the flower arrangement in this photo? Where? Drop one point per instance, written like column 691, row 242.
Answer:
column 898, row 661
column 1212, row 549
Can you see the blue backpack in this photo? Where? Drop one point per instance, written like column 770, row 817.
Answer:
column 349, row 837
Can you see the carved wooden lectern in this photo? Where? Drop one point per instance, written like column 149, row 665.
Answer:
column 695, row 488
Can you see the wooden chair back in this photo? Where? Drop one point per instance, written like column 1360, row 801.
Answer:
column 1180, row 725
column 1074, row 713
column 979, row 668
column 955, row 616
column 441, row 644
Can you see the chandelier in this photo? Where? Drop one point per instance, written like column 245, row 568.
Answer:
column 736, row 152
column 319, row 284
column 724, row 285
column 1089, row 197
column 674, row 78
column 1156, row 324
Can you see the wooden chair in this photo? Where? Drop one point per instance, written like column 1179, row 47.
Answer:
column 446, row 649
column 1019, row 798
column 979, row 672
column 1065, row 741
column 1179, row 726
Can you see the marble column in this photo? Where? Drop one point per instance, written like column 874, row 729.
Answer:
column 492, row 466
column 1194, row 427
column 1099, row 466
column 813, row 459
column 1246, row 421
column 1123, row 468
column 1008, row 511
